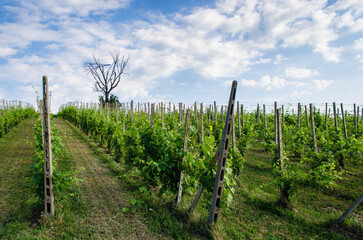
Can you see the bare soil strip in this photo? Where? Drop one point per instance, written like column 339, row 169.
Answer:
column 104, row 196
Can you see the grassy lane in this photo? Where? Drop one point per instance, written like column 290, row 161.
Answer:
column 17, row 209
column 105, row 198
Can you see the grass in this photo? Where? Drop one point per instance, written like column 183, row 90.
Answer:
column 20, row 211
column 254, row 214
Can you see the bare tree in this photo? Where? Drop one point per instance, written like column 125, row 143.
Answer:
column 107, row 75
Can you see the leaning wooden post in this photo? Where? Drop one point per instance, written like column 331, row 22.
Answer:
column 313, row 128
column 222, row 159
column 351, row 208
column 47, row 145
column 344, row 125
column 180, row 190
column 233, row 132
column 335, row 116
column 239, row 121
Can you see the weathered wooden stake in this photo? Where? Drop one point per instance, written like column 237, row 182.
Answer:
column 47, row 145
column 201, row 124
column 180, row 190
column 306, row 116
column 313, row 128
column 355, row 119
column 351, row 208
column 335, row 116
column 243, row 116
column 344, row 125
column 215, row 112
column 326, row 115
column 264, row 117
column 276, row 124
column 298, row 115
column 222, row 159
column 258, row 113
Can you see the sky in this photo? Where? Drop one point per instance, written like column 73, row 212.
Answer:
column 185, row 50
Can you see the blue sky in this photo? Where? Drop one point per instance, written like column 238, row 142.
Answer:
column 288, row 51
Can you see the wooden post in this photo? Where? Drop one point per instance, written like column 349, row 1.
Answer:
column 335, row 116
column 283, row 192
column 47, row 145
column 117, row 111
column 351, row 208
column 180, row 190
column 215, row 112
column 196, row 115
column 355, row 119
column 264, row 116
column 283, row 117
column 132, row 111
column 276, row 125
column 258, row 113
column 306, row 116
column 201, row 124
column 149, row 111
column 242, row 115
column 222, row 159
column 180, row 112
column 162, row 114
column 233, row 132
column 239, row 121
column 313, row 128
column 298, row 115
column 326, row 115
column 344, row 125
column 152, row 114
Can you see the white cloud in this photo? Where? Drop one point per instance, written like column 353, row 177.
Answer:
column 294, row 72
column 266, row 83
column 320, row 85
column 7, row 51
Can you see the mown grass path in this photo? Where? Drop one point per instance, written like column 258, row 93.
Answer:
column 16, row 152
column 104, row 196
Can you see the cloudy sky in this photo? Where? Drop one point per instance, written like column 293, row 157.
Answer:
column 185, row 50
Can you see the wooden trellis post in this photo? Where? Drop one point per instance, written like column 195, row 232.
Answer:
column 132, row 111
column 276, row 126
column 222, row 159
column 47, row 146
column 258, row 113
column 326, row 115
column 313, row 128
column 243, row 116
column 215, row 112
column 335, row 116
column 344, row 124
column 298, row 115
column 355, row 119
column 180, row 190
column 306, row 116
column 201, row 124
column 264, row 117
column 239, row 121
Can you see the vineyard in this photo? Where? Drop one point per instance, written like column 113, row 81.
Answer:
column 148, row 170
